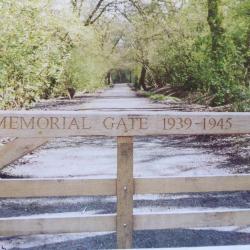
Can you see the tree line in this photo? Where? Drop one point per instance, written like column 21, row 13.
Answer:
column 190, row 48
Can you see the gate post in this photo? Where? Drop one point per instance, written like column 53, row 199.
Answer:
column 125, row 191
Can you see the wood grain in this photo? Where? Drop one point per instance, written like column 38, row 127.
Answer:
column 17, row 148
column 55, row 224
column 124, row 222
column 106, row 223
column 81, row 186
column 224, row 183
column 72, row 123
column 213, row 218
column 14, row 188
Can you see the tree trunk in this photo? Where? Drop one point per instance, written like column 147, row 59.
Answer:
column 120, row 77
column 71, row 93
column 247, row 64
column 109, row 78
column 217, row 32
column 142, row 83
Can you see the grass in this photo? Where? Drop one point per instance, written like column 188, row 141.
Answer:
column 157, row 97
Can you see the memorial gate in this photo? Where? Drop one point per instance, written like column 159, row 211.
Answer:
column 34, row 128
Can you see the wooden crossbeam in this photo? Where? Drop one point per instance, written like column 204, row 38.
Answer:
column 196, row 184
column 89, row 123
column 213, row 218
column 55, row 224
column 14, row 188
column 17, row 148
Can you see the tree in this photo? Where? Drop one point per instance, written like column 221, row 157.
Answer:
column 217, row 32
column 194, row 46
column 77, row 6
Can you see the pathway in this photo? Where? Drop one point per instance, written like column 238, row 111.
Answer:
column 96, row 157
column 160, row 156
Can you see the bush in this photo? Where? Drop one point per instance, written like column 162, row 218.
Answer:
column 183, row 56
column 43, row 52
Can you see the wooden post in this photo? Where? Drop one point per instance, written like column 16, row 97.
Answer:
column 125, row 191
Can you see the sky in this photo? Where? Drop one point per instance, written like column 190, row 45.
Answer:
column 61, row 3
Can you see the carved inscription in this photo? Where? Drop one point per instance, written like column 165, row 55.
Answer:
column 124, row 124
column 212, row 123
column 177, row 123
column 66, row 123
column 180, row 123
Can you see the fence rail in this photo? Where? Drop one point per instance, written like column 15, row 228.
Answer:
column 51, row 187
column 107, row 223
column 37, row 127
column 73, row 123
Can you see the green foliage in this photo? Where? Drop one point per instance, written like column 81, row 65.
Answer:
column 158, row 97
column 202, row 46
column 87, row 67
column 44, row 52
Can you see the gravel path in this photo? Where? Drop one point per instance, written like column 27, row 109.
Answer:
column 159, row 156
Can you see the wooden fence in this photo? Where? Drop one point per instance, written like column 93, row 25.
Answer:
column 33, row 129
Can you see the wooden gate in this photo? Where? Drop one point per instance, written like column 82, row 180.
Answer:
column 33, row 129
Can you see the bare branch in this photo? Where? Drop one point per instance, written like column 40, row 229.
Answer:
column 137, row 6
column 80, row 7
column 89, row 19
column 101, row 12
column 77, row 6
